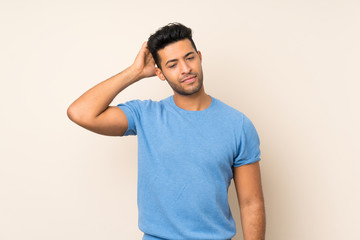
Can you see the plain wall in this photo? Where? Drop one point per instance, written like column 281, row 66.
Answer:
column 291, row 66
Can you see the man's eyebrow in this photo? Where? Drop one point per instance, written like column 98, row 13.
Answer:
column 174, row 60
column 188, row 54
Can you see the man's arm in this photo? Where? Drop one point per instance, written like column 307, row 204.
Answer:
column 92, row 111
column 247, row 181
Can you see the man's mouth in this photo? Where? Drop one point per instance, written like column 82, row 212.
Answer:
column 189, row 79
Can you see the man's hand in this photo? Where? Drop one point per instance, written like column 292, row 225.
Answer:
column 144, row 64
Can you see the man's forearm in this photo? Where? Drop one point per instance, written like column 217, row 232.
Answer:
column 253, row 221
column 97, row 99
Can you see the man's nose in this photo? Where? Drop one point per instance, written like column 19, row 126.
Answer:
column 185, row 68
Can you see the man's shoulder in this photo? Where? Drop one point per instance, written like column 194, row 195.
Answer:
column 234, row 117
column 227, row 109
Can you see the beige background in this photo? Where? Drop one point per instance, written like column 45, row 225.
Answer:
column 291, row 66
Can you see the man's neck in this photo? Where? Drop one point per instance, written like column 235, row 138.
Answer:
column 194, row 102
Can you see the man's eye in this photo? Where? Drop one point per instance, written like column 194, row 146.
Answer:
column 190, row 58
column 171, row 66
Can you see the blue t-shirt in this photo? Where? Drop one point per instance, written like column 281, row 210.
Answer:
column 185, row 165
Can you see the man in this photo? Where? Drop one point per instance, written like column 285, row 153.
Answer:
column 190, row 144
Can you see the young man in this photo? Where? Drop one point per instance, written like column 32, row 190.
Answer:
column 190, row 144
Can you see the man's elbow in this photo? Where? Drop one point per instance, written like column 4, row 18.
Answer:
column 76, row 116
column 72, row 113
column 253, row 202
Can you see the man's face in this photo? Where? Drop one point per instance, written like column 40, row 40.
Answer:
column 181, row 67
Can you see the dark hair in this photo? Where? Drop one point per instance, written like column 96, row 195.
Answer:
column 170, row 33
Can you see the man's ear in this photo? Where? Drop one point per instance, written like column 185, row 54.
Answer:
column 159, row 73
column 199, row 53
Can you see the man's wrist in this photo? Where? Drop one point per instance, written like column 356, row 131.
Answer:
column 134, row 73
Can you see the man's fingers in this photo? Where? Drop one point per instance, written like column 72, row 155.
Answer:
column 144, row 45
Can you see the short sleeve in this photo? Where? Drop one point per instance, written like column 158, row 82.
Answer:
column 249, row 149
column 131, row 110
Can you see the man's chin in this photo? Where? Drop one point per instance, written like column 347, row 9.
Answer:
column 188, row 92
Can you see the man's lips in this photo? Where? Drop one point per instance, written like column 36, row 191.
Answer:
column 189, row 79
